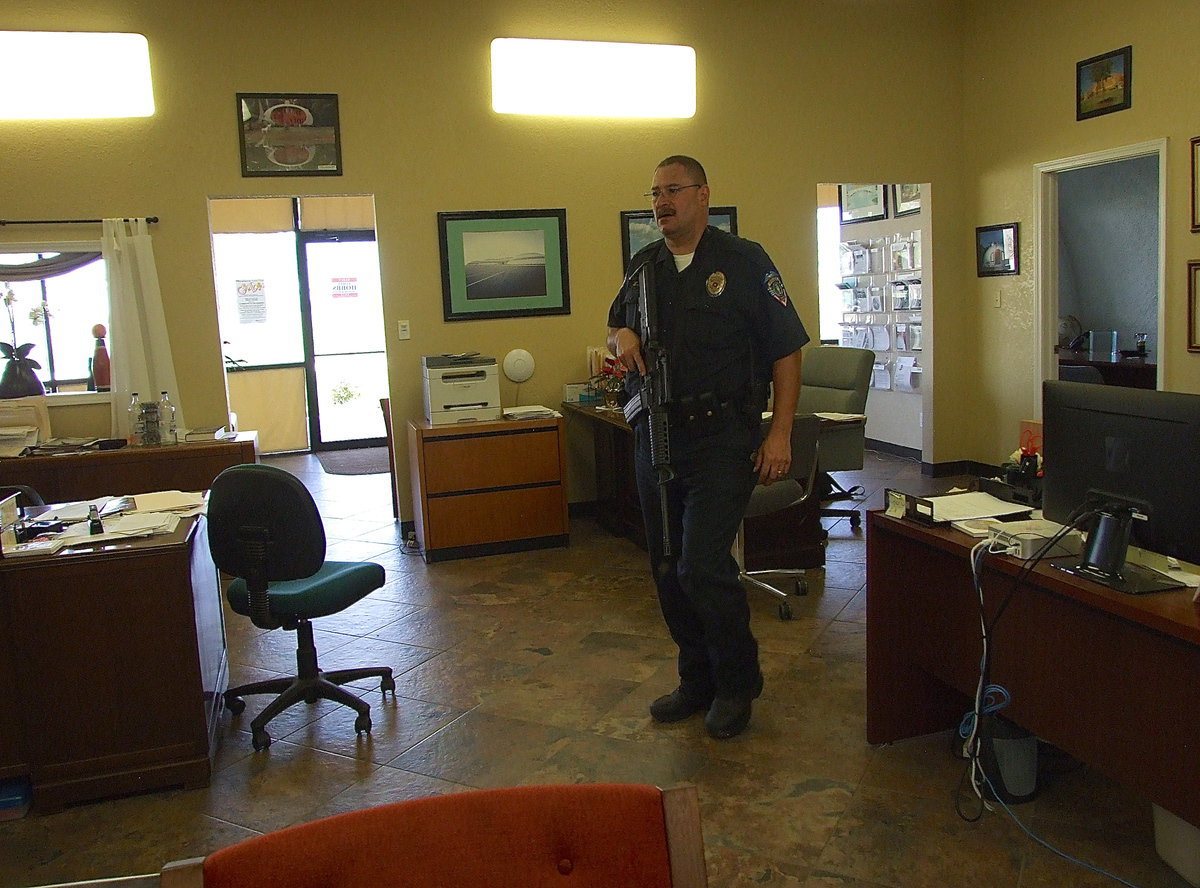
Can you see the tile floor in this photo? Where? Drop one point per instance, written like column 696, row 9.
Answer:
column 538, row 667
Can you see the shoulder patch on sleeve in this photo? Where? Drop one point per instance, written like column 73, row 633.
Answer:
column 774, row 284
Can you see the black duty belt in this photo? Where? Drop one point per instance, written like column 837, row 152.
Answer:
column 708, row 410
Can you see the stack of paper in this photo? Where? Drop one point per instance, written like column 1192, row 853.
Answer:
column 121, row 527
column 168, row 501
column 15, row 440
column 535, row 411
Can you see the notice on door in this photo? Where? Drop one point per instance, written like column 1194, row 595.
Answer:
column 344, row 288
column 252, row 302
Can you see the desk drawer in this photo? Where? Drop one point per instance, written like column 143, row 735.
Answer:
column 489, row 461
column 495, row 516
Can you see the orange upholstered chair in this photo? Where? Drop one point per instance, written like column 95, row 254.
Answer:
column 573, row 836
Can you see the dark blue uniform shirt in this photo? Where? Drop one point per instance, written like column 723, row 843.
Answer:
column 725, row 319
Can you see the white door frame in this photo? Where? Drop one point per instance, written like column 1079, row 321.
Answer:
column 1046, row 213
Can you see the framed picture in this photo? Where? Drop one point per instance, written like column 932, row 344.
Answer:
column 1103, row 83
column 638, row 229
column 292, row 134
column 862, row 203
column 996, row 250
column 906, row 200
column 504, row 264
column 1195, row 189
column 1193, row 277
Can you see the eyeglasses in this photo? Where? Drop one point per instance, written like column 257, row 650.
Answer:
column 670, row 190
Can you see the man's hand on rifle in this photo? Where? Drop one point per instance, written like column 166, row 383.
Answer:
column 627, row 346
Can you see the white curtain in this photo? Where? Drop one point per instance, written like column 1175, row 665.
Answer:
column 137, row 343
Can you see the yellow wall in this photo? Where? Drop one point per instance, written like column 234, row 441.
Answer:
column 789, row 94
column 1019, row 111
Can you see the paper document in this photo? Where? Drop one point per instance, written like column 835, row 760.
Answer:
column 975, row 504
column 14, row 440
column 534, row 411
column 167, row 501
column 71, row 512
column 121, row 527
column 842, row 417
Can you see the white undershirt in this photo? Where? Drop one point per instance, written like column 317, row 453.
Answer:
column 683, row 261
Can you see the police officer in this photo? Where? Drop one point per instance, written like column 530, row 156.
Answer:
column 728, row 329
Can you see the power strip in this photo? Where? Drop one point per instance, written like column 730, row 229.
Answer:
column 1024, row 539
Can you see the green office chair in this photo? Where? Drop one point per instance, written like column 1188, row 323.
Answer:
column 265, row 530
column 835, row 379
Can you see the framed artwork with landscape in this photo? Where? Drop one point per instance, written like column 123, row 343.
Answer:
column 504, row 264
column 1103, row 83
column 289, row 134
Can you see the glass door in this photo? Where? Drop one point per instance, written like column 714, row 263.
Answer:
column 343, row 329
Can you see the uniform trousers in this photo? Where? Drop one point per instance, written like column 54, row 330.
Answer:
column 702, row 600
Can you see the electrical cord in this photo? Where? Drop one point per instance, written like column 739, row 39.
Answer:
column 991, row 698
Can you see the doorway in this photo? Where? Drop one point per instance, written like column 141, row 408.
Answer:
column 301, row 319
column 1101, row 262
column 875, row 255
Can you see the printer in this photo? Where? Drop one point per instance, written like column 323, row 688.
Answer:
column 460, row 388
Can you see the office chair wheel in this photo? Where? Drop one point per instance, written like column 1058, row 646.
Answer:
column 388, row 684
column 785, row 611
column 801, row 587
column 362, row 724
column 855, row 519
column 235, row 705
column 311, row 697
column 261, row 740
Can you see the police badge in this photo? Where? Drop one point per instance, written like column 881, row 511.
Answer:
column 774, row 284
column 716, row 283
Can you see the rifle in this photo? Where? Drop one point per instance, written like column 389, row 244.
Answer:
column 655, row 391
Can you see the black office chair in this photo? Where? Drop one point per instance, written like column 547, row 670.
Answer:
column 26, row 495
column 1080, row 373
column 792, row 490
column 264, row 529
column 836, row 379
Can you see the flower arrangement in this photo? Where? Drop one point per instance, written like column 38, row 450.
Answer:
column 610, row 380
column 38, row 315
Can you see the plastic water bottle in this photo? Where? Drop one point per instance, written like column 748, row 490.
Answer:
column 166, row 419
column 135, row 432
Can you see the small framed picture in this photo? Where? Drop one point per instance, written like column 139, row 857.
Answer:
column 292, row 134
column 1103, row 83
column 639, row 229
column 906, row 200
column 996, row 250
column 504, row 264
column 862, row 203
column 1195, row 189
column 1193, row 275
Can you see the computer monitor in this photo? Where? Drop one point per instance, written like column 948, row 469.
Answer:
column 1130, row 457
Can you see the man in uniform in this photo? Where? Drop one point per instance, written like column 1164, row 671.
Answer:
column 728, row 329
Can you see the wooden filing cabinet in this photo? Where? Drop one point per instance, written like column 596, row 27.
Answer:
column 488, row 487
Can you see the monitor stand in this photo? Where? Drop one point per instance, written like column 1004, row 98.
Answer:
column 1132, row 579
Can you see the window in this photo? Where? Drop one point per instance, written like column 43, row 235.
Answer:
column 258, row 299
column 58, row 296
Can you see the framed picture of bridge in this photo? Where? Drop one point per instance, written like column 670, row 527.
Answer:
column 504, row 263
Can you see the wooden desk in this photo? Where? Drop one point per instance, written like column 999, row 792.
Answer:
column 1112, row 679
column 113, row 664
column 480, row 488
column 82, row 476
column 1129, row 372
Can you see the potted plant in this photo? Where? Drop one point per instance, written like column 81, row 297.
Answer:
column 609, row 382
column 19, row 379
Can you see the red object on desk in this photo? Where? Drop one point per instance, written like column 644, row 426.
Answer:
column 101, row 368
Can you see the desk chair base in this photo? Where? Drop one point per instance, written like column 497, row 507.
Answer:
column 837, row 492
column 800, row 587
column 309, row 685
